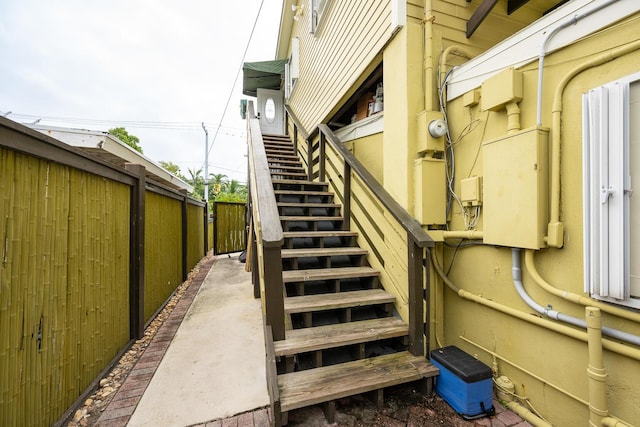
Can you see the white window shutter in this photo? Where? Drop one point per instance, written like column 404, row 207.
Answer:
column 294, row 68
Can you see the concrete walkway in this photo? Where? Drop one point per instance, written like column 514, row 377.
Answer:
column 214, row 367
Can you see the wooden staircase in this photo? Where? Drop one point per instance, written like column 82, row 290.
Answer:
column 342, row 336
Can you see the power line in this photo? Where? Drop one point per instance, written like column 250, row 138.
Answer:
column 235, row 81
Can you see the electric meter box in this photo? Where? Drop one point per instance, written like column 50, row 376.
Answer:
column 464, row 382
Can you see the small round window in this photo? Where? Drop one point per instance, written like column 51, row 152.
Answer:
column 270, row 110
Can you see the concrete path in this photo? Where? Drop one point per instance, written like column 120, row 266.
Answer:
column 207, row 361
column 215, row 365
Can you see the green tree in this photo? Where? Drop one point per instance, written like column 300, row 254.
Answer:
column 197, row 182
column 124, row 136
column 217, row 182
column 173, row 168
column 233, row 191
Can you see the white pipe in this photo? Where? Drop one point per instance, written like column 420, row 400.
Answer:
column 556, row 315
column 543, row 50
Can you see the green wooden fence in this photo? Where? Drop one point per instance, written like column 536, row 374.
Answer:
column 74, row 259
column 229, row 227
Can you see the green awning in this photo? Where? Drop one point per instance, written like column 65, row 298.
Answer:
column 263, row 75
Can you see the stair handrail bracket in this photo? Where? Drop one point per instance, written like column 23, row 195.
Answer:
column 267, row 229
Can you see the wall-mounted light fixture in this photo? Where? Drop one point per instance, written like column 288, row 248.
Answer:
column 298, row 11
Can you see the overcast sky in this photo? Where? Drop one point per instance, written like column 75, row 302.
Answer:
column 161, row 61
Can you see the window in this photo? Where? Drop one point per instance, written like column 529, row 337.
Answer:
column 318, row 9
column 611, row 169
column 292, row 68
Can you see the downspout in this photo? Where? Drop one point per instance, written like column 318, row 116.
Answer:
column 513, row 118
column 613, row 346
column 572, row 297
column 598, row 408
column 555, row 228
column 556, row 315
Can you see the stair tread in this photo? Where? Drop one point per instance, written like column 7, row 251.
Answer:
column 328, row 273
column 313, row 386
column 329, row 336
column 308, row 205
column 303, row 234
column 310, row 218
column 319, row 302
column 314, row 252
column 299, row 181
column 302, row 193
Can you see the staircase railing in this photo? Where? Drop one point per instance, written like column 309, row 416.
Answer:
column 267, row 237
column 376, row 209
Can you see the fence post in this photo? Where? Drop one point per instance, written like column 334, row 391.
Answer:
column 136, row 252
column 416, row 297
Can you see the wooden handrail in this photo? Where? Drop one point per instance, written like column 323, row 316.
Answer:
column 267, row 228
column 413, row 227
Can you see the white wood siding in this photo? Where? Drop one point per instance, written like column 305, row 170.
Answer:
column 335, row 57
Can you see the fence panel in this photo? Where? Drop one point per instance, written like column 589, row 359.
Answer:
column 195, row 238
column 230, row 224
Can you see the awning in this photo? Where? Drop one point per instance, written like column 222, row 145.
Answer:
column 263, row 75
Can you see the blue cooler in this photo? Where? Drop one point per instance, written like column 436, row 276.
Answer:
column 464, row 382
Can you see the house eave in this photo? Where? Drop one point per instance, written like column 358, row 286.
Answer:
column 525, row 46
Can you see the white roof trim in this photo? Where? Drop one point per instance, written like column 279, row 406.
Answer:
column 82, row 138
column 525, row 46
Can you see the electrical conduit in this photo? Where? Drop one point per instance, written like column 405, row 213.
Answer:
column 556, row 315
column 615, row 347
column 572, row 297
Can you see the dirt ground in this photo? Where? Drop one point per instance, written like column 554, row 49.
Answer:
column 404, row 406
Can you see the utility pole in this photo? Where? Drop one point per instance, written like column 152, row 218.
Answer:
column 206, row 165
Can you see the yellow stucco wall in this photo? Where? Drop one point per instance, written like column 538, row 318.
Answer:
column 552, row 368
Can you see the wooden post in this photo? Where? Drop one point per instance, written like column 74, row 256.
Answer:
column 295, row 139
column 416, row 297
column 274, row 291
column 425, row 297
column 136, row 253
column 321, row 156
column 310, row 159
column 346, row 194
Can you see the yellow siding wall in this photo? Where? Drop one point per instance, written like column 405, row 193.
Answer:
column 64, row 284
column 351, row 36
column 559, row 362
column 163, row 247
column 369, row 151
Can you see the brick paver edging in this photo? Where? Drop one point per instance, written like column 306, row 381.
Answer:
column 125, row 401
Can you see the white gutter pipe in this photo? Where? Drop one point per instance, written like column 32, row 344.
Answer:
column 516, row 272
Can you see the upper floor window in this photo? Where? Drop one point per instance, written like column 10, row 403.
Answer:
column 318, row 9
column 292, row 68
column 611, row 170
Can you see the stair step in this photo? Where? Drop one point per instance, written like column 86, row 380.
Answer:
column 285, row 173
column 299, row 182
column 284, row 162
column 277, row 143
column 330, row 336
column 302, row 193
column 287, row 167
column 308, row 205
column 311, row 218
column 318, row 234
column 332, row 301
column 323, row 252
column 313, row 386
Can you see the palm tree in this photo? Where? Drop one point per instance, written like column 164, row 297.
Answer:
column 217, row 181
column 197, row 181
